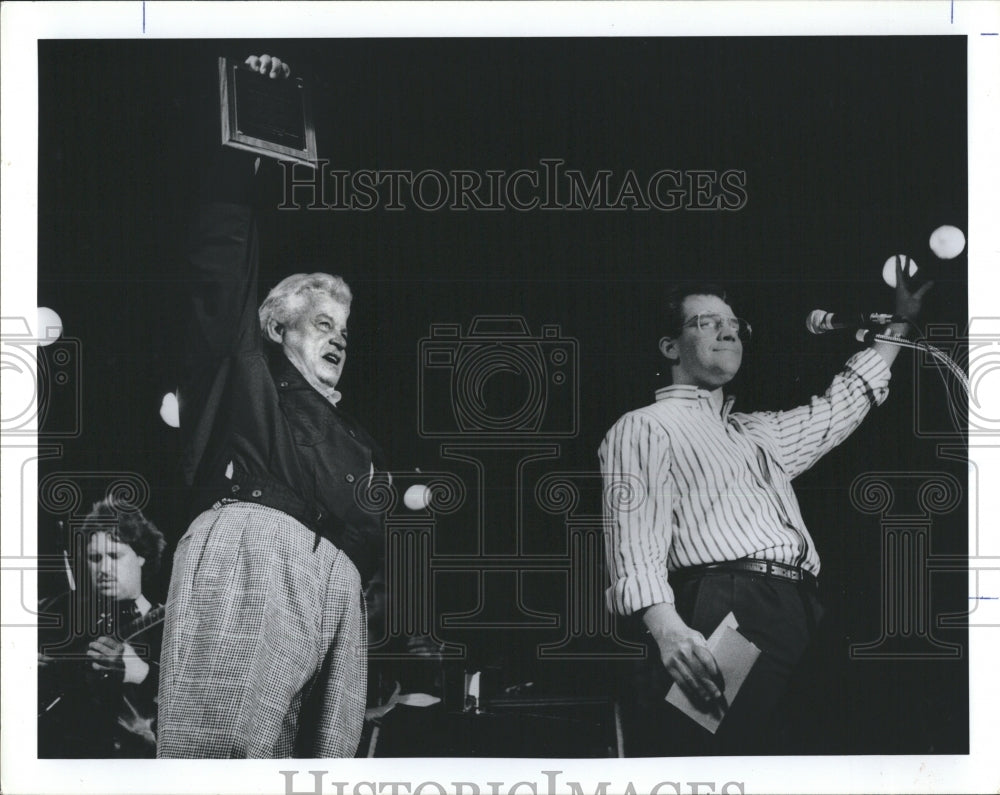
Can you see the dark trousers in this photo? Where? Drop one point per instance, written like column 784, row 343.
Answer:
column 780, row 617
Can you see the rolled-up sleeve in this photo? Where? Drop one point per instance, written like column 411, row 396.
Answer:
column 805, row 434
column 635, row 459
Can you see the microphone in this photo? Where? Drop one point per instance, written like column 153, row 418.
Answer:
column 820, row 321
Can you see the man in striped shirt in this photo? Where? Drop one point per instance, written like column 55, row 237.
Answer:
column 701, row 520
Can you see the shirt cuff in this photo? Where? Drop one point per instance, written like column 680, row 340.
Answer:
column 628, row 595
column 871, row 368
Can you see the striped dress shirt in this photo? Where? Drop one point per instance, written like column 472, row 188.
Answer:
column 685, row 485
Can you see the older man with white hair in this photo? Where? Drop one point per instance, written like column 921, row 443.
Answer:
column 264, row 647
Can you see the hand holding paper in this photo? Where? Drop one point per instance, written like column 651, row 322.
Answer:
column 735, row 656
column 686, row 656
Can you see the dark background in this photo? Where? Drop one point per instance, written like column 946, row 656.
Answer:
column 854, row 150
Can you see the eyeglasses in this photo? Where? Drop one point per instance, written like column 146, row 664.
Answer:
column 710, row 322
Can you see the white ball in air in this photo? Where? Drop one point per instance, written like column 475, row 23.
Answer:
column 50, row 326
column 417, row 497
column 947, row 242
column 170, row 411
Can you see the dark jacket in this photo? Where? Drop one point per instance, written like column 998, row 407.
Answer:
column 243, row 402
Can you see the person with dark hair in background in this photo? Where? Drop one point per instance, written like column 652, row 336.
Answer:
column 705, row 522
column 99, row 668
column 265, row 645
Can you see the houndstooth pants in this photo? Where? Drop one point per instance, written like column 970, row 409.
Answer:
column 264, row 648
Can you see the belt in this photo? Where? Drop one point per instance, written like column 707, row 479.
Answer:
column 767, row 568
column 243, row 488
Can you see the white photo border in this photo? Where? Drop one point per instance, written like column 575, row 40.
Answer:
column 23, row 24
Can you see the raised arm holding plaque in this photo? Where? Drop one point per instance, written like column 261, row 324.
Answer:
column 288, row 539
column 272, row 118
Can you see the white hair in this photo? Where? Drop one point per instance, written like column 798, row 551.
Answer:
column 289, row 295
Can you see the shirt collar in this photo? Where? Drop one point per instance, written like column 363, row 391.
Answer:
column 693, row 397
column 143, row 605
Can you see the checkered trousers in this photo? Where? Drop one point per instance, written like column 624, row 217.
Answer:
column 265, row 642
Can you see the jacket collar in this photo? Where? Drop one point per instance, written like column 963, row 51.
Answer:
column 289, row 379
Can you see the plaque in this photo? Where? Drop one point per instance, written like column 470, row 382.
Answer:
column 271, row 117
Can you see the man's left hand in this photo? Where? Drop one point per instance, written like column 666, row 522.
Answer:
column 111, row 656
column 908, row 301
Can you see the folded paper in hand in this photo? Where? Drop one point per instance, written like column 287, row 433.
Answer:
column 735, row 656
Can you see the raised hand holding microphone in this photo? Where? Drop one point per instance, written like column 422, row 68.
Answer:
column 908, row 306
column 909, row 302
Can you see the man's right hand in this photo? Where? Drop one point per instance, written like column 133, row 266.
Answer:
column 685, row 654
